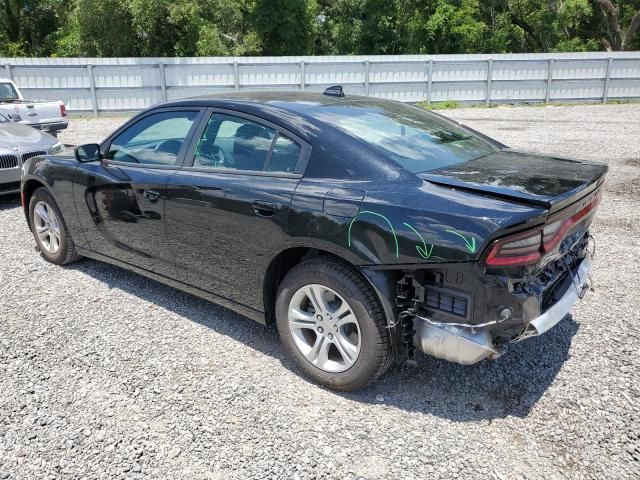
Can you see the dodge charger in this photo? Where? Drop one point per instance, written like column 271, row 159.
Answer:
column 363, row 229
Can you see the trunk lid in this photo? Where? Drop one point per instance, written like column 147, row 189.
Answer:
column 546, row 181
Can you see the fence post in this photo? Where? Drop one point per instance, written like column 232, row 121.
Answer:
column 605, row 90
column 429, row 81
column 367, row 71
column 303, row 81
column 547, row 95
column 7, row 68
column 487, row 100
column 236, row 76
column 163, row 81
column 92, row 86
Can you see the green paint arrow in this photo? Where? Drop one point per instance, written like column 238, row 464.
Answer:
column 367, row 212
column 471, row 245
column 424, row 251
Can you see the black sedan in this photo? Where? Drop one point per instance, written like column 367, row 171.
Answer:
column 364, row 229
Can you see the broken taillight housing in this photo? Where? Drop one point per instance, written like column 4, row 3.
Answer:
column 527, row 248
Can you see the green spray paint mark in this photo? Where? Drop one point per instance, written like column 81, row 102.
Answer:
column 423, row 250
column 367, row 212
column 471, row 245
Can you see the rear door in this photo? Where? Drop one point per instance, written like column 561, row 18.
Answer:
column 227, row 208
column 122, row 202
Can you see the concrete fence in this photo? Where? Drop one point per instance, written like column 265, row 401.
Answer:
column 128, row 84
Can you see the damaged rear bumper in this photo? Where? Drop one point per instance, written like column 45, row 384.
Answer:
column 470, row 343
column 561, row 308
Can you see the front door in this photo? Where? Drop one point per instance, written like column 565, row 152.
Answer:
column 126, row 193
column 227, row 210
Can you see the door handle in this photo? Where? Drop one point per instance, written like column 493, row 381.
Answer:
column 265, row 209
column 151, row 195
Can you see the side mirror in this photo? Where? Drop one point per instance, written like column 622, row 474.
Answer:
column 88, row 153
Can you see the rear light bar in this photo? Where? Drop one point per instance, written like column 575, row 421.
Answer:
column 529, row 247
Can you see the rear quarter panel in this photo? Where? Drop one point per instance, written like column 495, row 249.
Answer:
column 405, row 224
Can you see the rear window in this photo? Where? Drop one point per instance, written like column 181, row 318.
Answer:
column 414, row 138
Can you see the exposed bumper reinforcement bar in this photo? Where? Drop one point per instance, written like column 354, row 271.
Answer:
column 470, row 344
column 561, row 308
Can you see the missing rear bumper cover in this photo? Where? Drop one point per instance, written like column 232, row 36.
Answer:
column 467, row 343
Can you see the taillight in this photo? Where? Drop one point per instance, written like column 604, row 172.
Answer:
column 63, row 110
column 554, row 236
column 527, row 248
column 519, row 250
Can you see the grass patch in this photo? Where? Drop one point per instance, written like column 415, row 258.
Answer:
column 446, row 105
column 454, row 104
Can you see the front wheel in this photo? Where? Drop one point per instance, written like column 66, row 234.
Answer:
column 331, row 323
column 49, row 229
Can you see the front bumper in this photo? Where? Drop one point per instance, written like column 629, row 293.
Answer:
column 468, row 343
column 9, row 180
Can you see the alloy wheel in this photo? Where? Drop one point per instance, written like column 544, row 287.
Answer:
column 324, row 328
column 47, row 227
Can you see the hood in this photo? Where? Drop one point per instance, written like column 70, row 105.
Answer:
column 18, row 137
column 540, row 180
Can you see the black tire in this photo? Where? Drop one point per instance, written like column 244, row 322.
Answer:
column 66, row 252
column 375, row 349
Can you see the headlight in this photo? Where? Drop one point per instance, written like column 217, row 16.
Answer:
column 57, row 148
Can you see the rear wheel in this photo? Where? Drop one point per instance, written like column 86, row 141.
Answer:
column 331, row 323
column 50, row 230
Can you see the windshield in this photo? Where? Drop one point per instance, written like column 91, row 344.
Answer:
column 416, row 139
column 7, row 92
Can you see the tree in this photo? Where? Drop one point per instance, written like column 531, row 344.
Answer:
column 615, row 39
column 30, row 27
column 298, row 27
column 286, row 27
column 98, row 28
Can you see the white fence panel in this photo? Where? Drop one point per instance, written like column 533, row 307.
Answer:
column 116, row 84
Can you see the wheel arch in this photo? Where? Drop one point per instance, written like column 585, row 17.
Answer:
column 28, row 187
column 383, row 283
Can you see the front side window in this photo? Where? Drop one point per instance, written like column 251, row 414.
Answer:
column 7, row 92
column 154, row 140
column 236, row 143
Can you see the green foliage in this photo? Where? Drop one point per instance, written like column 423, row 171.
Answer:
column 446, row 105
column 298, row 27
column 286, row 27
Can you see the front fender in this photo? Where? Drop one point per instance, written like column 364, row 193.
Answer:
column 56, row 174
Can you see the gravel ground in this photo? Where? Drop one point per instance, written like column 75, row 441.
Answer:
column 104, row 374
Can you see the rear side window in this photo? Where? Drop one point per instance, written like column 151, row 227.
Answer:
column 154, row 140
column 284, row 156
column 236, row 143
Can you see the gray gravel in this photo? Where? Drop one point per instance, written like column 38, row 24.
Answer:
column 104, row 374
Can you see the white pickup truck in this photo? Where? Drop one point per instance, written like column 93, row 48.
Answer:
column 48, row 116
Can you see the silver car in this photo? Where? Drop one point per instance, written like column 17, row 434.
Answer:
column 17, row 144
